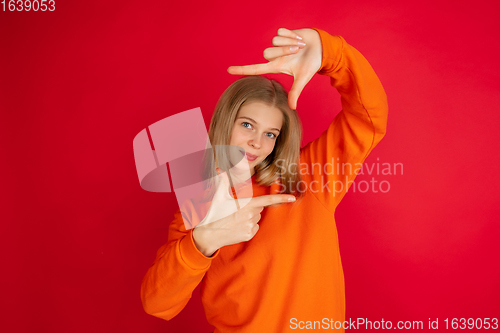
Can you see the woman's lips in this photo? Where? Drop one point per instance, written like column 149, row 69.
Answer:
column 250, row 157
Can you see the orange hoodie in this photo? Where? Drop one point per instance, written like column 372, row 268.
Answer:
column 289, row 276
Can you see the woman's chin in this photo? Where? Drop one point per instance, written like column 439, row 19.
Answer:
column 243, row 169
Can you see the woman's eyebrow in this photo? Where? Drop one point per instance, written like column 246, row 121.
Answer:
column 256, row 122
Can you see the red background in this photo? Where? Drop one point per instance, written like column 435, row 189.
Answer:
column 77, row 84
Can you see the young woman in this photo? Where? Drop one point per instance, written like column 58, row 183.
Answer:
column 267, row 267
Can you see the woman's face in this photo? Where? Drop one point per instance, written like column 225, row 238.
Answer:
column 256, row 128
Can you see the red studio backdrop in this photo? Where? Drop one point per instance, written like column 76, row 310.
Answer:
column 78, row 83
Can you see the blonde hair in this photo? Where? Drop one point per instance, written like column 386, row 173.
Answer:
column 250, row 89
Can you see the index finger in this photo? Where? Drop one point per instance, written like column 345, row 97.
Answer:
column 271, row 199
column 256, row 69
column 288, row 33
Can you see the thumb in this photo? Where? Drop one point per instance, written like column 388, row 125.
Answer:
column 298, row 85
column 223, row 184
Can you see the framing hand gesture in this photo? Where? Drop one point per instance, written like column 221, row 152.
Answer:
column 296, row 52
column 225, row 225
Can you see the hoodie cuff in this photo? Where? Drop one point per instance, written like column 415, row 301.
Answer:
column 192, row 256
column 332, row 46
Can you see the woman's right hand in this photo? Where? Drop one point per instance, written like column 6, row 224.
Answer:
column 240, row 226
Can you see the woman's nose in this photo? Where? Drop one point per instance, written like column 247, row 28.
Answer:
column 255, row 142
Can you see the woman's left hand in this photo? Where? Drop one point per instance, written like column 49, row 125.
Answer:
column 288, row 56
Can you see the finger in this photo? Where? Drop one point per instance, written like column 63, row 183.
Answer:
column 256, row 218
column 293, row 95
column 271, row 199
column 283, row 41
column 254, row 210
column 222, row 185
column 250, row 213
column 257, row 69
column 272, row 53
column 288, row 33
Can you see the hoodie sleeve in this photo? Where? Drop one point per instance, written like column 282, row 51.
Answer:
column 330, row 163
column 178, row 268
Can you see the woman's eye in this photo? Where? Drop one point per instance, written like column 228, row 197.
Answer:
column 271, row 135
column 247, row 125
